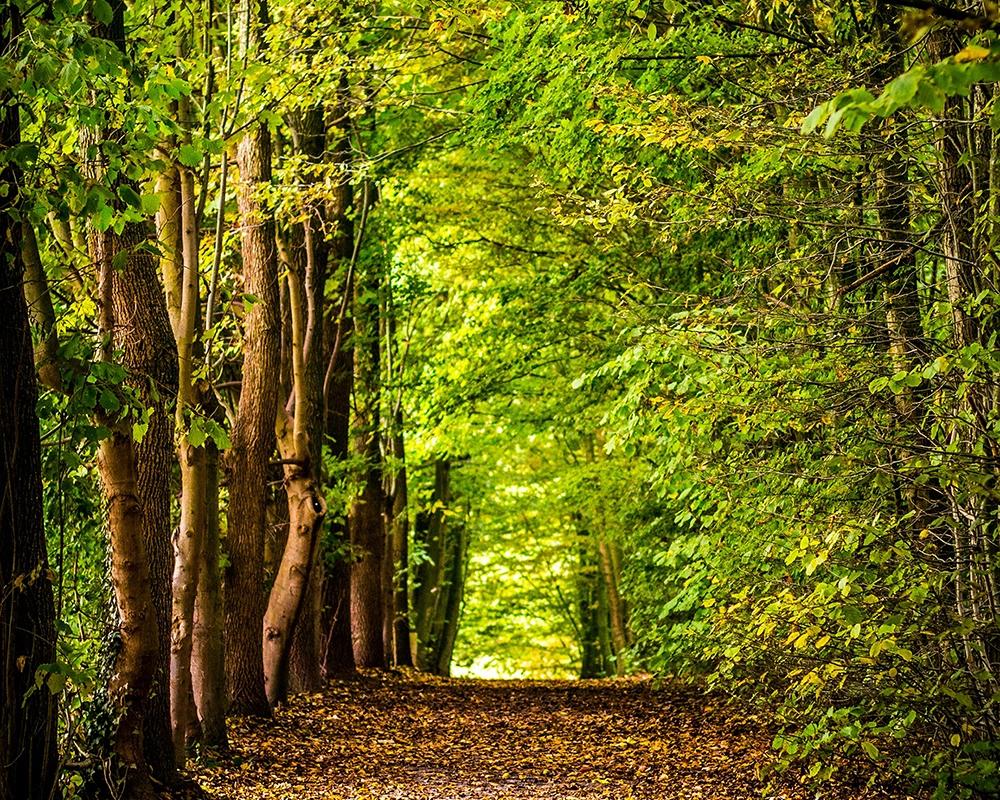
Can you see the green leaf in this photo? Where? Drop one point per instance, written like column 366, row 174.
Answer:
column 815, row 118
column 129, row 196
column 197, row 435
column 104, row 217
column 103, row 12
column 150, row 204
column 189, row 155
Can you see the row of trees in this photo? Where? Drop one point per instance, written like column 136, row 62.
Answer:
column 189, row 226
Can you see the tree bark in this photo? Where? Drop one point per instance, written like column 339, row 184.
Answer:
column 253, row 432
column 138, row 657
column 208, row 675
column 587, row 586
column 399, row 540
column 337, row 650
column 28, row 760
column 616, row 606
column 365, row 519
column 306, row 506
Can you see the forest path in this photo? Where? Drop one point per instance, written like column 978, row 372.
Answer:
column 392, row 737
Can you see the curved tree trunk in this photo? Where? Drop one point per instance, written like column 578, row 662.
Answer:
column 306, row 506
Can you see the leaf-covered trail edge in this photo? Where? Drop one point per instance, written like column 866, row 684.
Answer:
column 390, row 735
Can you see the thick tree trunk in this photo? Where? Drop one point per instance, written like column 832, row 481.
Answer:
column 368, row 543
column 134, row 320
column 28, row 760
column 142, row 333
column 253, row 432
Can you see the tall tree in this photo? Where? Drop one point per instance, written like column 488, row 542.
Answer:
column 28, row 759
column 366, row 520
column 253, row 432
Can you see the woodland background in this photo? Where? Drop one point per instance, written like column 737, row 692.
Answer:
column 631, row 335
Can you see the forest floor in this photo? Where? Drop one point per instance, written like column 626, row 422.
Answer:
column 407, row 737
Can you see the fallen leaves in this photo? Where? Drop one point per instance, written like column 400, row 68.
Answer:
column 395, row 736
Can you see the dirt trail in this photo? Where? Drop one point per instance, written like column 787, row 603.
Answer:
column 384, row 737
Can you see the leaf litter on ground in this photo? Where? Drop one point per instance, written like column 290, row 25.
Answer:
column 400, row 735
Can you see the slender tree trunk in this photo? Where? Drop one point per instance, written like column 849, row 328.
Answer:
column 40, row 310
column 616, row 607
column 451, row 618
column 399, row 538
column 337, row 647
column 587, row 586
column 365, row 520
column 208, row 651
column 253, row 432
column 28, row 760
column 188, row 547
column 168, row 234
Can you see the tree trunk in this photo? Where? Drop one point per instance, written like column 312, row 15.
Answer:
column 188, row 545
column 135, row 320
column 457, row 560
column 310, row 256
column 40, row 310
column 587, row 587
column 208, row 675
column 28, row 759
column 440, row 586
column 306, row 506
column 365, row 519
column 399, row 548
column 139, row 653
column 253, row 432
column 337, row 647
column 616, row 606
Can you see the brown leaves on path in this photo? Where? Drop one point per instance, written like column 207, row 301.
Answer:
column 387, row 736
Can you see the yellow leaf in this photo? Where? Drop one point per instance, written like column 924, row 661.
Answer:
column 971, row 53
